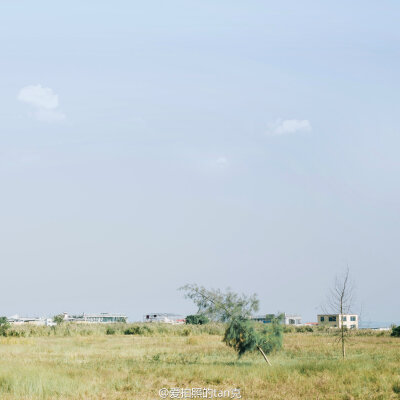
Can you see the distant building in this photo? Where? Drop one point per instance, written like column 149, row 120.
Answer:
column 287, row 320
column 17, row 320
column 350, row 321
column 165, row 318
column 265, row 319
column 292, row 319
column 102, row 318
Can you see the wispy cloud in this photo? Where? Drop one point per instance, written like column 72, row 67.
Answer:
column 289, row 126
column 43, row 101
column 221, row 162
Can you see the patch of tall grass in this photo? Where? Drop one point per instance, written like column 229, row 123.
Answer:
column 141, row 329
column 42, row 366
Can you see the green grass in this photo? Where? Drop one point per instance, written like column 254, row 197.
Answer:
column 82, row 362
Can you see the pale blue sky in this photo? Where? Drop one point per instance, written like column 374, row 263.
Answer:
column 229, row 143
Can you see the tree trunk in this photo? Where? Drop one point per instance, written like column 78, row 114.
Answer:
column 342, row 327
column 343, row 348
column 343, row 340
column 263, row 354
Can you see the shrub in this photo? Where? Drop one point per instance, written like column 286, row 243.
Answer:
column 14, row 333
column 243, row 337
column 110, row 331
column 58, row 319
column 137, row 330
column 396, row 331
column 289, row 329
column 198, row 319
column 186, row 332
column 396, row 387
column 133, row 330
column 4, row 326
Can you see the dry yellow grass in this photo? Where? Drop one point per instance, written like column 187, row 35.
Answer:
column 136, row 367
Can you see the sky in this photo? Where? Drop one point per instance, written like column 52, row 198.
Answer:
column 147, row 145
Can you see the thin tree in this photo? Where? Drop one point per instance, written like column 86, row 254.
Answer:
column 221, row 306
column 340, row 301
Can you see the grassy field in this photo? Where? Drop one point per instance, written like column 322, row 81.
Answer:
column 85, row 363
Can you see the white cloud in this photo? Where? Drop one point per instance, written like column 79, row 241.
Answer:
column 287, row 126
column 38, row 96
column 43, row 101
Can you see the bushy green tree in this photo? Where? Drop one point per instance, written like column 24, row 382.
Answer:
column 396, row 331
column 236, row 309
column 58, row 319
column 243, row 337
column 4, row 326
column 197, row 319
column 272, row 334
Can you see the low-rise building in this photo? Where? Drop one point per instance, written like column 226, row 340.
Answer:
column 17, row 320
column 292, row 319
column 288, row 319
column 101, row 318
column 104, row 318
column 350, row 321
column 166, row 318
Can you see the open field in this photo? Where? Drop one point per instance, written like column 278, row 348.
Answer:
column 85, row 363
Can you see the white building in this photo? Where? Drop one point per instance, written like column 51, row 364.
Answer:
column 101, row 318
column 350, row 321
column 165, row 318
column 291, row 319
column 17, row 320
column 288, row 319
